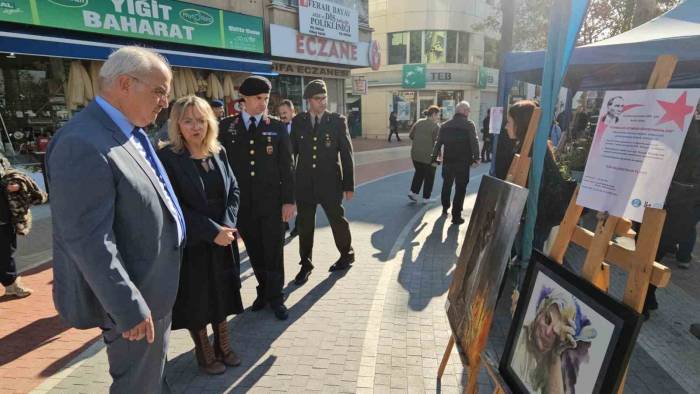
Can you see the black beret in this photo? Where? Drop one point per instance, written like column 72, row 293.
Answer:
column 254, row 85
column 217, row 103
column 317, row 86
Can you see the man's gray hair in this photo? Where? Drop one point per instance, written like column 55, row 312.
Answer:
column 132, row 60
column 463, row 107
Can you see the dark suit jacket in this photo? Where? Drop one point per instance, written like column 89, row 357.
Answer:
column 324, row 163
column 189, row 188
column 458, row 135
column 115, row 242
column 263, row 168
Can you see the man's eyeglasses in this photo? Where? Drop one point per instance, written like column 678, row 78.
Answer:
column 157, row 91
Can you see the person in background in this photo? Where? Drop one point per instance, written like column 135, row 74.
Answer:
column 261, row 158
column 286, row 112
column 555, row 192
column 424, row 133
column 219, row 111
column 393, row 126
column 458, row 136
column 486, row 134
column 679, row 233
column 204, row 183
column 118, row 241
column 325, row 175
column 580, row 123
column 17, row 193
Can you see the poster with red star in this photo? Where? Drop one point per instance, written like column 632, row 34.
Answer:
column 635, row 150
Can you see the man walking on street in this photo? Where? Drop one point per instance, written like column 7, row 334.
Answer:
column 458, row 136
column 118, row 242
column 324, row 174
column 393, row 126
column 261, row 159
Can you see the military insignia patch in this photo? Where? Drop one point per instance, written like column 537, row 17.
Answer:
column 269, row 149
column 327, row 141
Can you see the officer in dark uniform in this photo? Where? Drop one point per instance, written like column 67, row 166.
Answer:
column 260, row 156
column 324, row 174
column 458, row 136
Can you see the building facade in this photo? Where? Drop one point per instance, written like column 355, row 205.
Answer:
column 432, row 52
column 51, row 53
column 310, row 39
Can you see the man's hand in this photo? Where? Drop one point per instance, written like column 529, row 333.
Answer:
column 12, row 187
column 476, row 163
column 225, row 236
column 287, row 212
column 349, row 195
column 145, row 328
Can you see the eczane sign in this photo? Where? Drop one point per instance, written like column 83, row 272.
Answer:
column 290, row 43
column 324, row 18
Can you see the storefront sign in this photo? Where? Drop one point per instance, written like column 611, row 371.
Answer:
column 324, row 18
column 160, row 20
column 290, row 43
column 309, row 70
column 413, row 76
column 359, row 86
column 488, row 77
column 635, row 150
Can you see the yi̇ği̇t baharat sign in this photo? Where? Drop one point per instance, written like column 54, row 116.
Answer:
column 161, row 20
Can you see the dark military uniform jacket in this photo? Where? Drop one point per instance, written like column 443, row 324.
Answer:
column 262, row 163
column 324, row 162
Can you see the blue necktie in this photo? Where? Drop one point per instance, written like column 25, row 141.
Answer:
column 160, row 172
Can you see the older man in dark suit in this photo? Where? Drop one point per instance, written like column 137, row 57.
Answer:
column 117, row 225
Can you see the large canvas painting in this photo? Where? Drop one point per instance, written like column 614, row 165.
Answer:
column 472, row 296
column 567, row 336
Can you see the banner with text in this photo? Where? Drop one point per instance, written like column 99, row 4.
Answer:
column 635, row 150
column 325, row 18
column 160, row 20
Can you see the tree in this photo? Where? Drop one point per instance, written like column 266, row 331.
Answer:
column 606, row 18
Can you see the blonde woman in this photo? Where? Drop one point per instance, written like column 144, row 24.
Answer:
column 209, row 196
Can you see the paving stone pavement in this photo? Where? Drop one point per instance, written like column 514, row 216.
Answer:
column 379, row 327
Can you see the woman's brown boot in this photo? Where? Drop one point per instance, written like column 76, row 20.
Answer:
column 205, row 353
column 222, row 345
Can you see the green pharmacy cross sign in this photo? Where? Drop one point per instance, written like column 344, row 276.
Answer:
column 413, row 76
column 160, row 20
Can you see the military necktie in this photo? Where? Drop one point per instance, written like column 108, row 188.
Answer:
column 252, row 128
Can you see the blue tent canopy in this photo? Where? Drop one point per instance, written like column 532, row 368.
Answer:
column 624, row 61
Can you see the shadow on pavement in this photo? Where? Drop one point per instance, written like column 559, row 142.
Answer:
column 252, row 334
column 426, row 275
column 30, row 337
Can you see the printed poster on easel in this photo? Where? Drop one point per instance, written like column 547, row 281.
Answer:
column 635, row 150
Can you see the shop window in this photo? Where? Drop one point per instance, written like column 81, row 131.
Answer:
column 398, row 44
column 448, row 100
column 463, row 54
column 286, row 87
column 404, row 103
column 434, row 45
column 416, row 55
column 451, row 55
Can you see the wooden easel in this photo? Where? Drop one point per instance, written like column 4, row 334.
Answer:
column 517, row 174
column 639, row 264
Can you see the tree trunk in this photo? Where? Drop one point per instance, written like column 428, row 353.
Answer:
column 644, row 11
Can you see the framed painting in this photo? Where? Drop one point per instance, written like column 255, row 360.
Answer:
column 567, row 336
column 485, row 253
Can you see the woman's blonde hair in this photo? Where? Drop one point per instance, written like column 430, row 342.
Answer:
column 177, row 111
